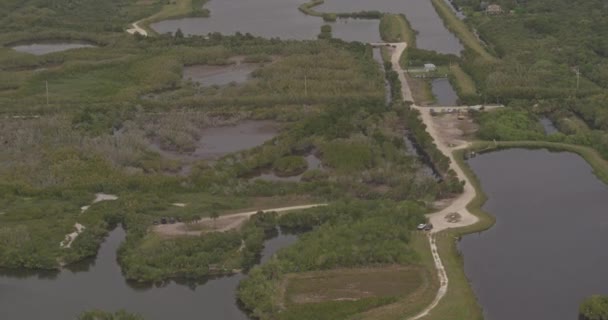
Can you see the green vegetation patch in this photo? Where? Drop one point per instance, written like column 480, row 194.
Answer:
column 290, row 166
column 352, row 284
column 594, row 308
column 102, row 315
column 508, row 124
column 348, row 235
column 396, row 28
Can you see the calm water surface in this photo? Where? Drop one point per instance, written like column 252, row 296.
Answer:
column 547, row 251
column 444, row 92
column 219, row 141
column 64, row 295
column 44, row 48
column 548, row 126
column 269, row 19
column 432, row 34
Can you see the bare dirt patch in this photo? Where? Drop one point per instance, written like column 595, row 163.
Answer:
column 352, row 284
column 221, row 224
column 453, row 131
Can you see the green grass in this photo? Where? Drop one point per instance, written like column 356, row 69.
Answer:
column 461, row 30
column 395, row 28
column 463, row 82
column 332, row 310
column 412, row 304
column 319, row 286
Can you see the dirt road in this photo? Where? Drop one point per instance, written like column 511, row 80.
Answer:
column 221, row 224
column 440, row 219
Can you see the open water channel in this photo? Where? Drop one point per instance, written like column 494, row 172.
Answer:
column 547, row 251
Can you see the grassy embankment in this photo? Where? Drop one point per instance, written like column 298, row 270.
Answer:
column 463, row 32
column 462, row 82
column 460, row 302
column 396, row 28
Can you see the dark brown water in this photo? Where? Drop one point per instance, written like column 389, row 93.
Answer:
column 269, row 19
column 44, row 48
column 444, row 92
column 432, row 34
column 64, row 295
column 547, row 251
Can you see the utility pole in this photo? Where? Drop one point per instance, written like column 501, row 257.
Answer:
column 305, row 86
column 47, row 92
column 578, row 77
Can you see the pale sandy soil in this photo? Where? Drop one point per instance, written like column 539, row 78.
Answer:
column 69, row 238
column 221, row 224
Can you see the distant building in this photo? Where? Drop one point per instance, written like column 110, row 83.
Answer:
column 428, row 67
column 493, row 9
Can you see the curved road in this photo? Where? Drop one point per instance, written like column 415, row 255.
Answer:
column 458, row 204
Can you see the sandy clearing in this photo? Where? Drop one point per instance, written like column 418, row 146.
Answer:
column 221, row 224
column 69, row 238
column 135, row 28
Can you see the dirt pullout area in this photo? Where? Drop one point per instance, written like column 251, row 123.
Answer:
column 351, row 284
column 221, row 224
column 452, row 131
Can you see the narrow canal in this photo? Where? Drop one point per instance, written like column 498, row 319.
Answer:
column 547, row 251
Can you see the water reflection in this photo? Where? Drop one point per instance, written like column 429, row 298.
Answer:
column 62, row 295
column 444, row 92
column 546, row 252
column 269, row 19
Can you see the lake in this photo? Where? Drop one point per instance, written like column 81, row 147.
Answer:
column 432, row 33
column 98, row 284
column 282, row 19
column 269, row 19
column 547, row 251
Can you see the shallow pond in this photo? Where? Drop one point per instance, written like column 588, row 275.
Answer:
column 219, row 75
column 99, row 284
column 548, row 126
column 444, row 92
column 547, row 251
column 269, row 19
column 219, row 141
column 49, row 47
column 432, row 34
